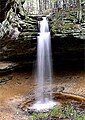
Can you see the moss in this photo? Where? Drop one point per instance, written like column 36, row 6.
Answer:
column 68, row 26
column 39, row 116
column 66, row 111
column 66, row 22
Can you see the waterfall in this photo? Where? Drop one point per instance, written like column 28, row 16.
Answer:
column 44, row 69
column 44, row 66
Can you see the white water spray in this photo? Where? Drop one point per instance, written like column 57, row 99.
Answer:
column 44, row 69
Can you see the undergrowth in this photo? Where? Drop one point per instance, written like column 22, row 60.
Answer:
column 57, row 113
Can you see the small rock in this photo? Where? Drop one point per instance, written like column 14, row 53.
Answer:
column 55, row 89
column 5, row 79
column 19, row 83
column 60, row 89
column 2, row 80
column 10, row 77
column 29, row 111
column 27, row 78
column 2, row 83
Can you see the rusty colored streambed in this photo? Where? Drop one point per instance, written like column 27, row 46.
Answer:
column 15, row 91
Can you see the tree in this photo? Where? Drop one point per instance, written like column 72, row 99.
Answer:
column 79, row 10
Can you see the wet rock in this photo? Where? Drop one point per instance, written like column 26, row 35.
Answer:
column 5, row 79
column 58, row 89
column 61, row 89
column 55, row 89
column 2, row 82
column 10, row 77
column 13, row 45
column 30, row 112
column 6, row 67
column 27, row 77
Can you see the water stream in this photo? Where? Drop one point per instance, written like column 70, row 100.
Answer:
column 44, row 69
column 44, row 66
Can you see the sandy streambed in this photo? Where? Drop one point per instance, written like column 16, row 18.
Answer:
column 16, row 89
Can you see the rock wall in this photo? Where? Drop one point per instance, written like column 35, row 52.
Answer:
column 18, row 39
column 68, row 53
column 23, row 46
column 64, row 23
column 18, row 33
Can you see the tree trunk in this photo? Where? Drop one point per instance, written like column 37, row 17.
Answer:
column 79, row 10
column 40, row 9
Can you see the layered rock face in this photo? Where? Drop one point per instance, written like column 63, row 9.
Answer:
column 68, row 52
column 2, row 9
column 68, row 38
column 18, row 38
column 18, row 33
column 64, row 23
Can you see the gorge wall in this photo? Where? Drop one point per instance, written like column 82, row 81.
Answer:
column 67, row 38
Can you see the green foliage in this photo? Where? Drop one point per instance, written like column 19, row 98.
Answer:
column 39, row 115
column 56, row 111
column 66, row 111
column 53, row 1
column 68, row 26
column 65, row 23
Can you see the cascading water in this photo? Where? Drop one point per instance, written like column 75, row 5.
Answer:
column 44, row 69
